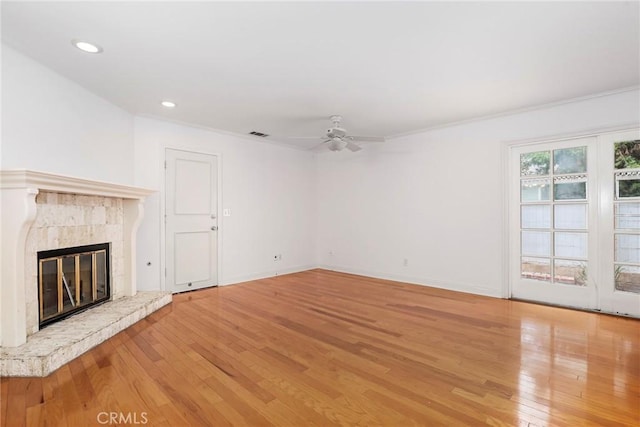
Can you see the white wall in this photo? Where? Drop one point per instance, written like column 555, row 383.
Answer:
column 270, row 190
column 51, row 124
column 436, row 198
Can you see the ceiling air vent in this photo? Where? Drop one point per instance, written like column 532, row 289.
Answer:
column 260, row 134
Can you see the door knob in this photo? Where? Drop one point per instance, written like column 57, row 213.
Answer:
column 214, row 227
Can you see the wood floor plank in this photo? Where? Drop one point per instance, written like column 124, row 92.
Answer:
column 16, row 402
column 237, row 397
column 71, row 403
column 4, row 401
column 327, row 348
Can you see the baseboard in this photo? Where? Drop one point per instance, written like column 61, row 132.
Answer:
column 265, row 274
column 451, row 286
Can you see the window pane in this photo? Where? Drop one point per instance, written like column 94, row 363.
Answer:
column 534, row 190
column 536, row 216
column 535, row 163
column 572, row 245
column 570, row 191
column 628, row 188
column 628, row 248
column 536, row 268
column 570, row 272
column 627, row 154
column 572, row 217
column 536, row 243
column 627, row 278
column 628, row 215
column 570, row 160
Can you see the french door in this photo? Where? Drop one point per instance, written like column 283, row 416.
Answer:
column 620, row 222
column 574, row 215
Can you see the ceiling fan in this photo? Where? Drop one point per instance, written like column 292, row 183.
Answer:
column 336, row 138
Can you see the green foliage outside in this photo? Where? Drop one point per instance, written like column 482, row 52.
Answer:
column 573, row 160
column 627, row 155
column 629, row 188
column 570, row 160
column 535, row 163
column 565, row 160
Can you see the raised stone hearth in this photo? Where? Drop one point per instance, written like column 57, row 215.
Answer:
column 47, row 350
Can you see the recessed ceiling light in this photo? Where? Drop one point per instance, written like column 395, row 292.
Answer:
column 86, row 46
column 168, row 104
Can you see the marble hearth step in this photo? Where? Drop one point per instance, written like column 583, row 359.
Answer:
column 48, row 349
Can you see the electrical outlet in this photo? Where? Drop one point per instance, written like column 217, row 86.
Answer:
column 405, row 262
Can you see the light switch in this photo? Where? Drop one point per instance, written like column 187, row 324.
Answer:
column 226, row 212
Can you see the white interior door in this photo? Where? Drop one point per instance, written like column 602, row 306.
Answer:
column 191, row 220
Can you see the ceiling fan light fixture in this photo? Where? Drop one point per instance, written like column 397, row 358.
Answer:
column 337, row 144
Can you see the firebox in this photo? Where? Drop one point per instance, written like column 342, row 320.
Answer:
column 72, row 279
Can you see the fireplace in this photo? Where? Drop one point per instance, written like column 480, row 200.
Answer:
column 42, row 213
column 71, row 280
column 45, row 212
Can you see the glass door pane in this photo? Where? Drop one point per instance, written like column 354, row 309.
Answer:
column 86, row 278
column 48, row 288
column 69, row 282
column 101, row 275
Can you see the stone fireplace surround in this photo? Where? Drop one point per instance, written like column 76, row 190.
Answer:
column 42, row 211
column 68, row 220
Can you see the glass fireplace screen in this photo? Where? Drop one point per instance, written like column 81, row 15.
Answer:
column 72, row 279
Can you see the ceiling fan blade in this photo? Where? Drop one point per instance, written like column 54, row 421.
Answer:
column 302, row 137
column 353, row 147
column 368, row 138
column 319, row 147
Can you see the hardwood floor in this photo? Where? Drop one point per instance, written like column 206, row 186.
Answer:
column 326, row 348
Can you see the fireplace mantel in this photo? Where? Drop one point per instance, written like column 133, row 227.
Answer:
column 18, row 210
column 43, row 181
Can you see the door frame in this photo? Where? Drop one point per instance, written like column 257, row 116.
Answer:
column 163, row 210
column 507, row 223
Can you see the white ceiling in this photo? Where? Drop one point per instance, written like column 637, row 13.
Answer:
column 389, row 68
